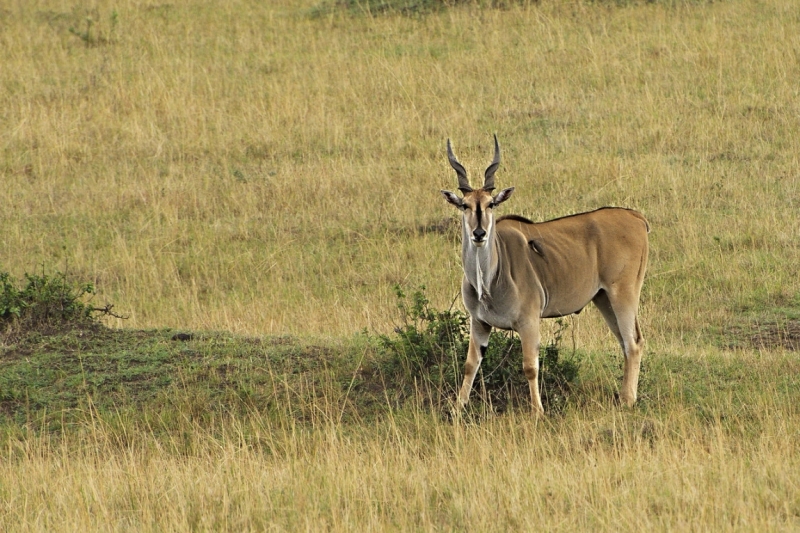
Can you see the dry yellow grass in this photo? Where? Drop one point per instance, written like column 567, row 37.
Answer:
column 245, row 167
column 242, row 166
column 597, row 469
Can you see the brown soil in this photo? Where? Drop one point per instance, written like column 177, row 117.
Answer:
column 775, row 335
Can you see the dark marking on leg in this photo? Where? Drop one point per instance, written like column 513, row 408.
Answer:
column 483, row 350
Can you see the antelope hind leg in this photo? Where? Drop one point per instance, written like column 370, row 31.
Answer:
column 620, row 315
column 529, row 335
column 634, row 343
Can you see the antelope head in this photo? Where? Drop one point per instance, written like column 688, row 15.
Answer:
column 477, row 204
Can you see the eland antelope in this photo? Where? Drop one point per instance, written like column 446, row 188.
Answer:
column 517, row 272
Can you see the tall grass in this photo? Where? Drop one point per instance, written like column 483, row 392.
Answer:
column 712, row 444
column 247, row 167
column 595, row 469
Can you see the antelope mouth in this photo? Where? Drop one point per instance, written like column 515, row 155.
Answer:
column 479, row 242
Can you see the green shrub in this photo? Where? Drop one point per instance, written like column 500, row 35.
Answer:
column 375, row 7
column 427, row 354
column 427, row 348
column 559, row 373
column 410, row 8
column 43, row 301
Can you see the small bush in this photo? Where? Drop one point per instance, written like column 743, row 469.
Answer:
column 410, row 8
column 375, row 7
column 425, row 351
column 558, row 373
column 93, row 34
column 427, row 354
column 43, row 302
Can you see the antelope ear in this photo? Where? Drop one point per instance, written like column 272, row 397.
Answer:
column 453, row 199
column 502, row 196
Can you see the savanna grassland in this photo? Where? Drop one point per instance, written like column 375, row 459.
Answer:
column 262, row 174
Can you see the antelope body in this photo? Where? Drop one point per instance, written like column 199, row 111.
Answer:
column 517, row 272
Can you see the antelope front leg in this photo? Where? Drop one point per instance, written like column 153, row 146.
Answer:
column 529, row 335
column 478, row 342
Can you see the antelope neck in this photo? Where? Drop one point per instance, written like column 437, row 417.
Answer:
column 480, row 263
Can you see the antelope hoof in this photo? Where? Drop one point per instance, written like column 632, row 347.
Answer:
column 456, row 411
column 624, row 400
column 458, row 406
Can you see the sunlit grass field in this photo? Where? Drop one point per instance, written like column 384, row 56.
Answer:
column 246, row 167
column 273, row 168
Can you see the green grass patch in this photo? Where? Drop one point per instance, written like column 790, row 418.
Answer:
column 156, row 380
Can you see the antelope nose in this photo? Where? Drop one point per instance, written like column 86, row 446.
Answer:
column 479, row 234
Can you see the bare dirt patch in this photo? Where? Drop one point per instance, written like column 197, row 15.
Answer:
column 769, row 335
